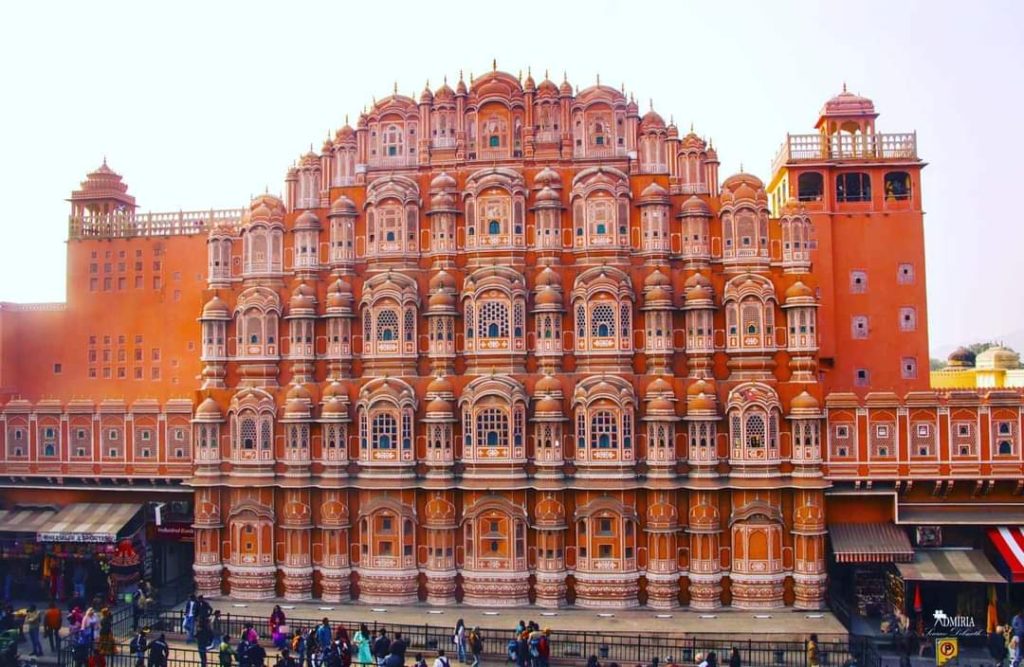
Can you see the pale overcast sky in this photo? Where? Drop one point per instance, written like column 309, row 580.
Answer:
column 201, row 104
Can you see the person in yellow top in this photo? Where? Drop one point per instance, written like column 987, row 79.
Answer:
column 812, row 651
column 33, row 619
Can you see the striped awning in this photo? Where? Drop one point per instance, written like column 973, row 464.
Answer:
column 951, row 565
column 870, row 543
column 24, row 521
column 1009, row 542
column 90, row 522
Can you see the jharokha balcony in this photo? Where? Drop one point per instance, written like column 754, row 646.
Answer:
column 820, row 148
column 128, row 224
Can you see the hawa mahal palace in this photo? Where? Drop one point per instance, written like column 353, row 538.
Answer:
column 512, row 343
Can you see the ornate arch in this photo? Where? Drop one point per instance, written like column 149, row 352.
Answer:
column 604, row 407
column 390, row 304
column 495, row 206
column 494, row 419
column 494, row 310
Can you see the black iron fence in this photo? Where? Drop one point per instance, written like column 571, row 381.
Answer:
column 569, row 646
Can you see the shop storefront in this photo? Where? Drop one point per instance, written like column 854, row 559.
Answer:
column 79, row 551
column 862, row 572
column 172, row 551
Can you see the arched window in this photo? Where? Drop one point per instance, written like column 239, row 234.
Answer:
column 384, row 433
column 602, row 320
column 387, row 325
column 394, row 141
column 604, row 430
column 897, row 186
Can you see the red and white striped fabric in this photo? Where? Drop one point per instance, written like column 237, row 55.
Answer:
column 1009, row 541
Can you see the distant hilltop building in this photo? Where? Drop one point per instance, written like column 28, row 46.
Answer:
column 994, row 368
column 506, row 343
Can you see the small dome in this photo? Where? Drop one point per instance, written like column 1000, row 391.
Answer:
column 333, row 408
column 997, row 358
column 548, row 405
column 799, row 290
column 345, row 133
column 547, row 87
column 441, row 385
column 659, row 386
column 548, row 384
column 442, row 280
column 697, row 280
column 426, row 97
column 443, row 181
column 343, row 206
column 547, row 176
column 549, row 278
column 298, row 392
column 701, row 403
column 961, row 357
column 743, row 186
column 657, row 278
column 654, row 192
column 565, row 88
column 656, row 294
column 440, row 405
column 848, row 104
column 804, row 402
column 334, row 390
column 652, row 120
column 444, row 93
column 208, row 408
column 460, row 87
column 700, row 386
column 303, row 298
column 548, row 296
column 529, row 85
column 441, row 300
column 548, row 195
column 659, row 404
column 695, row 206
column 339, row 294
column 215, row 308
column 268, row 205
column 307, row 220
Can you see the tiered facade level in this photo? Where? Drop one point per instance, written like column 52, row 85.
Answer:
column 510, row 344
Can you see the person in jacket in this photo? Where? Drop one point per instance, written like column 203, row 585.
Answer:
column 323, row 637
column 734, row 658
column 188, row 621
column 344, row 645
column 138, row 647
column 363, row 644
column 277, row 620
column 459, row 639
column 52, row 621
column 158, row 651
column 381, row 647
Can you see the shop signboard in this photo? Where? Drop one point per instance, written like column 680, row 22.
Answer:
column 945, row 626
column 946, row 650
column 81, row 538
column 172, row 532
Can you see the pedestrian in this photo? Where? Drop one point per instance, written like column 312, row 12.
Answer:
column 255, row 656
column 592, row 661
column 278, row 627
column 398, row 646
column 459, row 639
column 419, row 661
column 812, row 651
column 204, row 637
column 701, row 662
column 997, row 647
column 285, row 659
column 158, row 651
column 33, row 619
column 137, row 596
column 107, row 644
column 712, row 659
column 734, row 658
column 225, row 653
column 217, row 628
column 441, row 661
column 344, row 645
column 138, row 647
column 52, row 621
column 323, row 634
column 476, row 645
column 381, row 647
column 363, row 645
column 188, row 622
column 97, row 659
column 313, row 650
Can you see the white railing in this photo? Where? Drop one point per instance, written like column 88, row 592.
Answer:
column 901, row 146
column 392, row 161
column 127, row 225
column 442, row 142
column 548, row 137
column 692, row 188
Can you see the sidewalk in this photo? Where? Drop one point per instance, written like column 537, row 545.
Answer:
column 779, row 623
